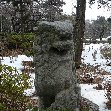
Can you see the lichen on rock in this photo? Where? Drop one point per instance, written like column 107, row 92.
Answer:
column 54, row 53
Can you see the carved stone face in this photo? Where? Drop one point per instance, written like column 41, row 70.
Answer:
column 53, row 39
column 53, row 59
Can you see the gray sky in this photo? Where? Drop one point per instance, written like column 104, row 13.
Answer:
column 91, row 13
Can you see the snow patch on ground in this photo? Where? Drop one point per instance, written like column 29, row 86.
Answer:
column 92, row 56
column 96, row 96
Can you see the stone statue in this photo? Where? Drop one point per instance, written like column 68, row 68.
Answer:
column 55, row 78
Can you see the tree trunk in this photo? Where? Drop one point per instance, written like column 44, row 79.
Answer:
column 21, row 12
column 79, row 29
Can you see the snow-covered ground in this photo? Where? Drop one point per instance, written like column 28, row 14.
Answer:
column 91, row 55
column 96, row 96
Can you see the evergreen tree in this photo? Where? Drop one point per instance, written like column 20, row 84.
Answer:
column 21, row 14
column 52, row 9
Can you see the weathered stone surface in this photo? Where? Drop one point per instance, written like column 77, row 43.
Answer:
column 65, row 99
column 53, row 63
column 64, row 26
column 87, row 103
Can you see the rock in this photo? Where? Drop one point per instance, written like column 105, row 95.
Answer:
column 89, row 104
column 65, row 99
column 54, row 65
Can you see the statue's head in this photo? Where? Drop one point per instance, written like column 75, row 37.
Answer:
column 54, row 38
